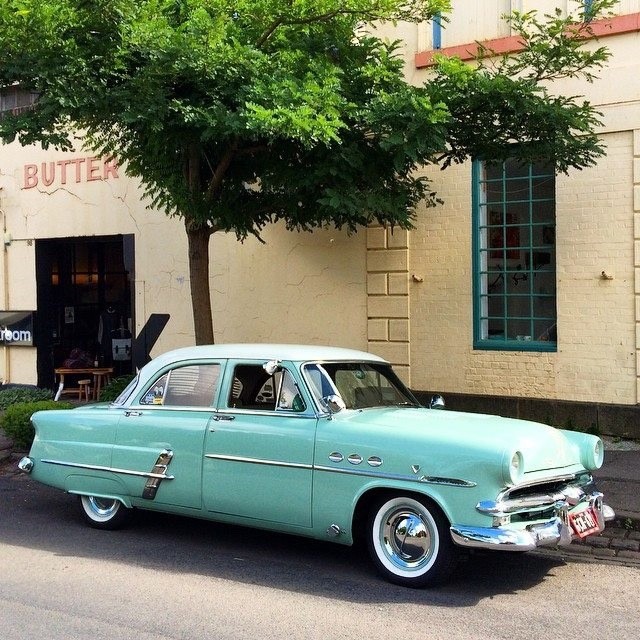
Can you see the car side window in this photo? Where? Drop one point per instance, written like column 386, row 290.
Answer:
column 188, row 386
column 253, row 388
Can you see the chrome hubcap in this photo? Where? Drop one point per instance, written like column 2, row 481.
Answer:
column 103, row 507
column 406, row 538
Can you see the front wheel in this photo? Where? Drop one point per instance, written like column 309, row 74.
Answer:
column 409, row 542
column 104, row 513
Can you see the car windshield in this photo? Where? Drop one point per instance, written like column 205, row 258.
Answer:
column 360, row 384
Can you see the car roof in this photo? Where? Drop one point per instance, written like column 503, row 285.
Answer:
column 242, row 351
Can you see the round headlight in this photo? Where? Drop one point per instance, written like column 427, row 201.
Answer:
column 513, row 468
column 592, row 454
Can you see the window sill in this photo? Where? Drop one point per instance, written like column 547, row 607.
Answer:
column 515, row 345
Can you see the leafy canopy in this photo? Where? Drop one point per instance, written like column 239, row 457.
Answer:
column 237, row 113
column 233, row 114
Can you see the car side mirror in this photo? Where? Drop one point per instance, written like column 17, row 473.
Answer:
column 334, row 403
column 437, row 402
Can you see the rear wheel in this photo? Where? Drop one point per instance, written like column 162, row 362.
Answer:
column 104, row 513
column 409, row 542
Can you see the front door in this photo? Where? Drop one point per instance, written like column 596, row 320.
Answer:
column 259, row 448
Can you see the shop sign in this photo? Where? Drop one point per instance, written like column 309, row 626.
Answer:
column 16, row 328
column 69, row 170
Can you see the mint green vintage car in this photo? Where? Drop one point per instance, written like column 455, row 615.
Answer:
column 326, row 443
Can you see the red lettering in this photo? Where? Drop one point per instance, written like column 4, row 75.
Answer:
column 30, row 176
column 47, row 180
column 63, row 164
column 93, row 171
column 78, row 162
column 110, row 168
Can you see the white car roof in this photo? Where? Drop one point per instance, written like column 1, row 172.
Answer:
column 293, row 352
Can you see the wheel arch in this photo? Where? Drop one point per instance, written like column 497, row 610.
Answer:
column 99, row 487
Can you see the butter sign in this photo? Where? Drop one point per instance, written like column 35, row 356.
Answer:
column 16, row 328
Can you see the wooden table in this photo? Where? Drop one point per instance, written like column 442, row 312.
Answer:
column 100, row 375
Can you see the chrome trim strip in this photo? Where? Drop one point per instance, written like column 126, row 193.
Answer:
column 541, row 482
column 152, row 484
column 451, row 482
column 95, row 467
column 268, row 463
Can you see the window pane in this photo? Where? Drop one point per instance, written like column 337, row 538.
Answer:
column 191, row 386
column 515, row 244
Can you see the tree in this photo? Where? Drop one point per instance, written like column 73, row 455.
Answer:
column 235, row 114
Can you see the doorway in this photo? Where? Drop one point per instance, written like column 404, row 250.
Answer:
column 84, row 301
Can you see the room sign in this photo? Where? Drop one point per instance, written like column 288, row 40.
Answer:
column 16, row 328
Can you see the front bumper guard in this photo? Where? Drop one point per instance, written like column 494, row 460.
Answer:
column 553, row 532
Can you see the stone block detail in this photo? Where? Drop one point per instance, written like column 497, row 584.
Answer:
column 398, row 330
column 388, row 297
column 377, row 284
column 395, row 352
column 397, row 238
column 378, row 329
column 399, row 284
column 376, row 238
column 388, row 260
column 388, row 306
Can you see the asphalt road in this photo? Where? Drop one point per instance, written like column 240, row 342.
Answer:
column 167, row 577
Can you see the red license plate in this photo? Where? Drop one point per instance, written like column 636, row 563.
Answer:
column 584, row 523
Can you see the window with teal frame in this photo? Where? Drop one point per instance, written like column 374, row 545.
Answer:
column 514, row 256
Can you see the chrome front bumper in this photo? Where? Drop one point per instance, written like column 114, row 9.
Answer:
column 552, row 532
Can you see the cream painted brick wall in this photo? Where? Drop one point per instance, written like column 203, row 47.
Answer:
column 596, row 358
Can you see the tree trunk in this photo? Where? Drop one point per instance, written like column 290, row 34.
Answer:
column 199, row 278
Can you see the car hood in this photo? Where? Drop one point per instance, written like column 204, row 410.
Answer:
column 543, row 447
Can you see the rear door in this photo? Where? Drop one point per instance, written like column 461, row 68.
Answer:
column 159, row 442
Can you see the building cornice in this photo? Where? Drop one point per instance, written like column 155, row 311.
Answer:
column 617, row 25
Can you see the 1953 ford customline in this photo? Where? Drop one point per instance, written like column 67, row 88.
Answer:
column 321, row 442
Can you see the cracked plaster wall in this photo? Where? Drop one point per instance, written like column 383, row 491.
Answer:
column 298, row 287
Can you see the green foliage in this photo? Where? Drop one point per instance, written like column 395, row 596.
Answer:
column 16, row 420
column 23, row 394
column 236, row 115
column 112, row 390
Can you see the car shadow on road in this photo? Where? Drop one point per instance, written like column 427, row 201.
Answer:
column 37, row 517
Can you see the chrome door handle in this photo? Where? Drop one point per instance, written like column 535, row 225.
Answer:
column 223, row 418
column 132, row 414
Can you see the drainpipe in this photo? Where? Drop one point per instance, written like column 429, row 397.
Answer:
column 5, row 279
